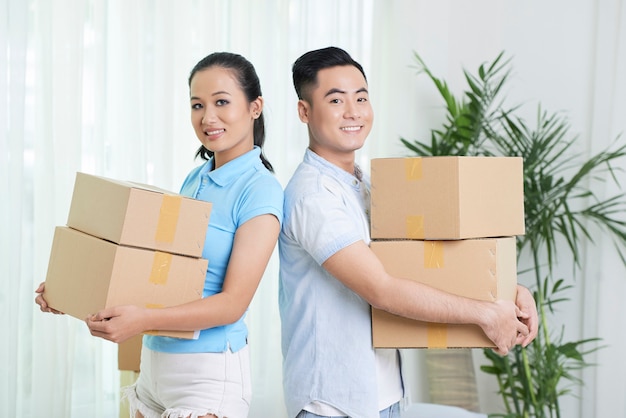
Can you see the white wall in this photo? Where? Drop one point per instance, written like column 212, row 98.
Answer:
column 570, row 57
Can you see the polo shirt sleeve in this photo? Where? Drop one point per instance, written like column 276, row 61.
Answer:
column 322, row 224
column 263, row 196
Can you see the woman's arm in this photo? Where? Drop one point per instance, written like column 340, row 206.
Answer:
column 254, row 243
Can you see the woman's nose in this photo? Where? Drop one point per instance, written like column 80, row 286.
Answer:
column 208, row 117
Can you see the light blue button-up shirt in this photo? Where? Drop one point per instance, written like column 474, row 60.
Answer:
column 239, row 190
column 326, row 327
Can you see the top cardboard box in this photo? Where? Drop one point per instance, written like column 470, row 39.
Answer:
column 139, row 215
column 447, row 198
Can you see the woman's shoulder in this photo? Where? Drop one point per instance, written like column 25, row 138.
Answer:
column 265, row 180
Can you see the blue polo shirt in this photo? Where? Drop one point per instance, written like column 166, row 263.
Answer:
column 328, row 356
column 239, row 190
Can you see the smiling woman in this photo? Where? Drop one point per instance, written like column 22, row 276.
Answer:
column 217, row 105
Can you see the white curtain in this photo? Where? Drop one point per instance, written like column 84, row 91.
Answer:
column 101, row 87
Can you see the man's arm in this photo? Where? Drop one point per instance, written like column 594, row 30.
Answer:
column 357, row 267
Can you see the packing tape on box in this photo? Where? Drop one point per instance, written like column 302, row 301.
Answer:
column 433, row 255
column 414, row 223
column 413, row 168
column 168, row 218
column 160, row 267
column 415, row 227
column 436, row 335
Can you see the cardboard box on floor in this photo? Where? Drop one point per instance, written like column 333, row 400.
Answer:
column 138, row 215
column 87, row 274
column 447, row 197
column 483, row 269
column 129, row 354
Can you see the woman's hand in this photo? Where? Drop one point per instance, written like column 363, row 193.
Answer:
column 118, row 323
column 43, row 305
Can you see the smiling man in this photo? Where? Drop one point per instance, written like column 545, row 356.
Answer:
column 329, row 277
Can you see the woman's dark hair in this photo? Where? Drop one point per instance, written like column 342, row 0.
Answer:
column 305, row 68
column 248, row 80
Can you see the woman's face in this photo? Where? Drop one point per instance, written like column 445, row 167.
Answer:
column 221, row 115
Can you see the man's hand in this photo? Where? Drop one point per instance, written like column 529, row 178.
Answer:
column 528, row 315
column 502, row 326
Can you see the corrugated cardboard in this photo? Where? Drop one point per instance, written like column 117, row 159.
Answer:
column 447, row 197
column 138, row 215
column 483, row 269
column 87, row 274
column 129, row 354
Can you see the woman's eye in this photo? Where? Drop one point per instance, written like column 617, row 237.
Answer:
column 221, row 102
column 196, row 106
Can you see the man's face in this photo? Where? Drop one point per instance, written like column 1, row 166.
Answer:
column 338, row 113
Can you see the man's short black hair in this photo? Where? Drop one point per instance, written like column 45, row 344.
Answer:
column 305, row 68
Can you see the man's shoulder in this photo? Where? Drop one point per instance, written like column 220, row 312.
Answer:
column 304, row 180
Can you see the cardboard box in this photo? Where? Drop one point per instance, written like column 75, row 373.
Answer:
column 447, row 197
column 138, row 215
column 483, row 269
column 129, row 354
column 87, row 274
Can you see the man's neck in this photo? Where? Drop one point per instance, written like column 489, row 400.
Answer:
column 343, row 161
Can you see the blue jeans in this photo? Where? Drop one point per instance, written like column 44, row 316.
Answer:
column 392, row 412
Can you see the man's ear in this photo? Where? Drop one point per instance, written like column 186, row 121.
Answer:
column 303, row 110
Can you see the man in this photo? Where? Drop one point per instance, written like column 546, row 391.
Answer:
column 329, row 277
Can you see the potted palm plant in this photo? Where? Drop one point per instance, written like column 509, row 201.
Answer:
column 560, row 210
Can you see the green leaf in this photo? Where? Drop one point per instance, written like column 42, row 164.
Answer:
column 561, row 208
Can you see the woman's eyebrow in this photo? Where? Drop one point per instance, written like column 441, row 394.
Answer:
column 217, row 93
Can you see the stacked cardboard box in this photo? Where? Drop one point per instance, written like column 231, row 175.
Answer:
column 129, row 354
column 127, row 243
column 449, row 222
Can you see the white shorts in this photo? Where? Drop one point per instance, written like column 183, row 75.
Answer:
column 191, row 385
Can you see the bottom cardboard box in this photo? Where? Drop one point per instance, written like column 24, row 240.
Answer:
column 483, row 269
column 87, row 274
column 129, row 354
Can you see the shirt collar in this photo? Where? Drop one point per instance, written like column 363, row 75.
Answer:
column 352, row 180
column 230, row 171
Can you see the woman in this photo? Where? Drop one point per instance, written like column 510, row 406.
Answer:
column 210, row 376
